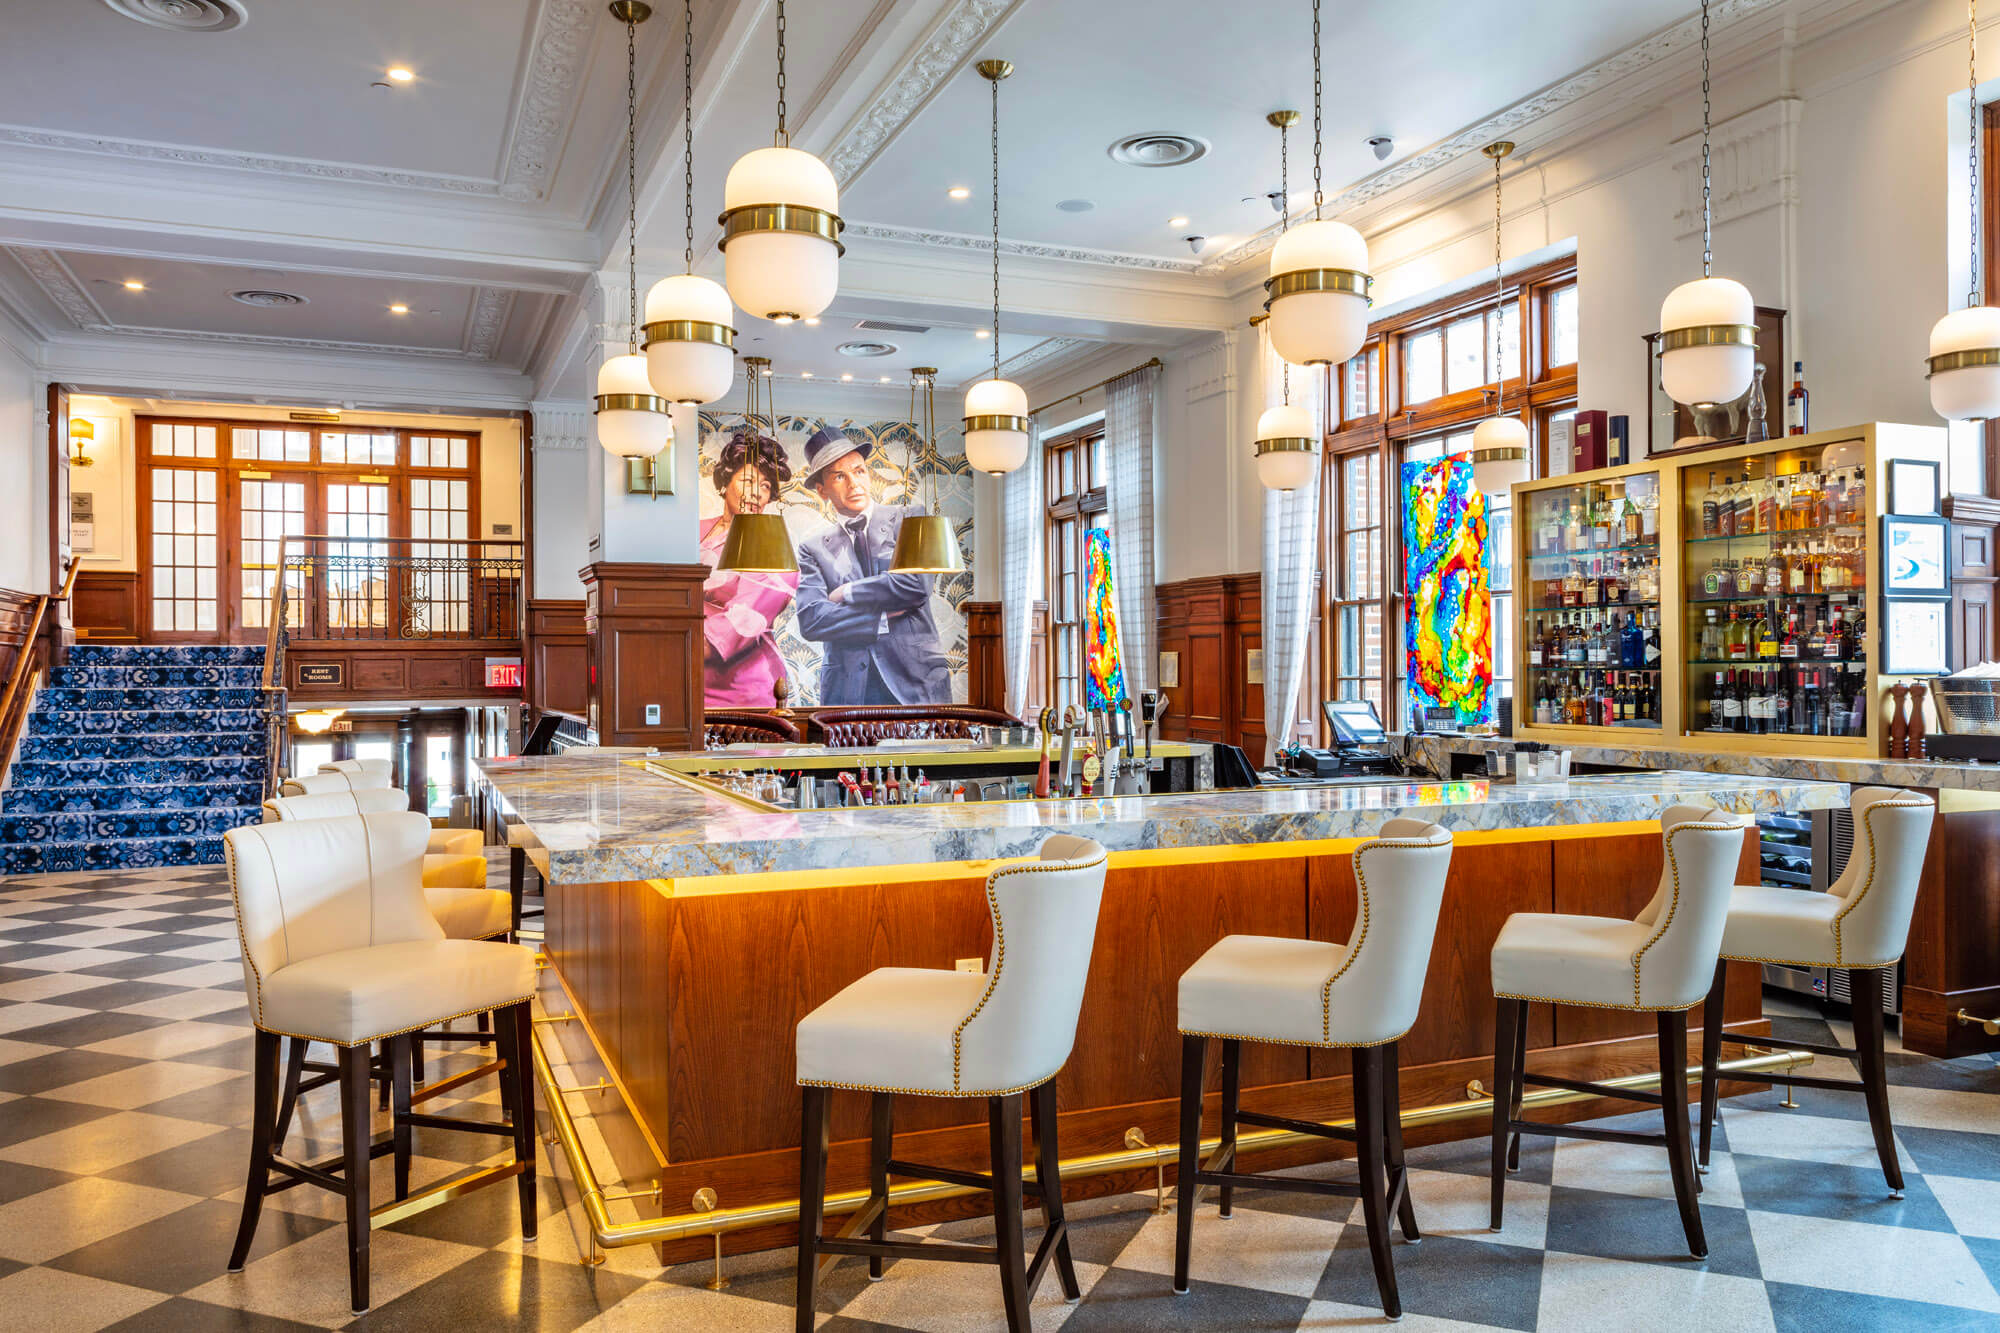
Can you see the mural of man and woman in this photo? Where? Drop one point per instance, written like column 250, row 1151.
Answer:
column 844, row 625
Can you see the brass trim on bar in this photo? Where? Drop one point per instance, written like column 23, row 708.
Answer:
column 800, row 218
column 688, row 1226
column 1990, row 1026
column 997, row 421
column 689, row 331
column 1963, row 359
column 632, row 402
column 1350, row 281
column 1709, row 335
column 1289, row 444
column 425, row 1200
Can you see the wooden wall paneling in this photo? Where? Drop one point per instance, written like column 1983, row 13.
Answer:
column 1171, row 630
column 557, row 656
column 105, row 604
column 645, row 627
column 985, row 656
column 1245, row 619
column 1975, row 578
column 1951, row 963
column 1213, row 623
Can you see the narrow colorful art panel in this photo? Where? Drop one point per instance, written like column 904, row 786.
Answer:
column 1448, row 632
column 1103, row 666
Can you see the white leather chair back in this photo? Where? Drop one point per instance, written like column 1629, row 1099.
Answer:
column 308, row 887
column 316, row 784
column 1399, row 875
column 381, row 768
column 334, row 804
column 1674, row 964
column 1892, row 830
column 1044, row 912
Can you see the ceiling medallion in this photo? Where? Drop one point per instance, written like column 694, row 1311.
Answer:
column 184, row 15
column 1158, row 150
column 867, row 349
column 265, row 299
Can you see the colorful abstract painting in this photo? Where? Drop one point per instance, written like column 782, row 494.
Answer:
column 1448, row 632
column 1103, row 666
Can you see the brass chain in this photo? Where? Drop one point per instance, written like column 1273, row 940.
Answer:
column 1285, row 225
column 687, row 121
column 632, row 185
column 1499, row 286
column 1707, row 209
column 1319, row 194
column 1972, row 143
column 996, row 227
column 783, row 138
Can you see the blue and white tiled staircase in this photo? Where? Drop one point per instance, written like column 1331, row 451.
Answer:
column 137, row 756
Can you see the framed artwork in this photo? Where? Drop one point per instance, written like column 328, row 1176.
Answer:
column 1913, row 556
column 1103, row 661
column 1916, row 637
column 1448, row 626
column 1913, row 486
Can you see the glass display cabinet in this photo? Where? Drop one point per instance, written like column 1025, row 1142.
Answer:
column 1596, row 556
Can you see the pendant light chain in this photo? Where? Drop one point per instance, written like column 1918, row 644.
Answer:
column 1285, row 225
column 632, row 185
column 687, row 121
column 1319, row 194
column 1499, row 285
column 1707, row 209
column 996, row 228
column 784, row 139
column 1972, row 144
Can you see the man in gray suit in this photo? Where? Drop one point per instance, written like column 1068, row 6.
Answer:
column 881, row 644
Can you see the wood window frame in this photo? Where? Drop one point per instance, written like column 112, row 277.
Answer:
column 1080, row 505
column 229, row 525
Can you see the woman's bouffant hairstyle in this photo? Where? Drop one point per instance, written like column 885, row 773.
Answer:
column 748, row 448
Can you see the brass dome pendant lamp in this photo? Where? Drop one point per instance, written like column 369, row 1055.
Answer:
column 632, row 420
column 1499, row 443
column 1287, row 450
column 926, row 543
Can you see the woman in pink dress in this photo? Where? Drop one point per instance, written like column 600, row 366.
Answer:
column 741, row 611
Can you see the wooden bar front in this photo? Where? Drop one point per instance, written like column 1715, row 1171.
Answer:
column 692, row 993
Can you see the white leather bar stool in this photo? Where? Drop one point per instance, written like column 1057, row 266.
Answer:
column 383, row 768
column 339, row 947
column 1861, row 923
column 1656, row 963
column 454, row 843
column 1362, row 995
column 932, row 1033
column 317, row 784
column 519, row 840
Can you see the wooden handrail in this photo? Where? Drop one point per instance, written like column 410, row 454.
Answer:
column 13, row 710
column 274, row 625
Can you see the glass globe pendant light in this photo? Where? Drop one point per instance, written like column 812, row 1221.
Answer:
column 1319, row 283
column 1708, row 344
column 690, row 343
column 759, row 543
column 996, row 410
column 1286, row 449
column 632, row 420
column 1499, row 443
column 781, row 224
column 1965, row 344
column 926, row 543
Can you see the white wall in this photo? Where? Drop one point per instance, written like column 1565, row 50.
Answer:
column 23, row 459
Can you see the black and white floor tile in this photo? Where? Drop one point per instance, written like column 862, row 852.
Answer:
column 124, row 1090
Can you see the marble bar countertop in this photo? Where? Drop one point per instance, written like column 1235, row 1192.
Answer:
column 913, row 754
column 603, row 818
column 1432, row 753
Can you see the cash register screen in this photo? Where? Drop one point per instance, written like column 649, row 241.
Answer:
column 1354, row 722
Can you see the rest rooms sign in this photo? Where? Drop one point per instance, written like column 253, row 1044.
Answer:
column 321, row 673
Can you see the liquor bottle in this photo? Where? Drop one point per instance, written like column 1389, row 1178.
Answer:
column 1743, row 697
column 1800, row 503
column 1712, row 648
column 1768, row 504
column 1632, row 526
column 1574, row 652
column 1797, row 402
column 1767, row 638
column 1650, row 656
column 1732, row 702
column 1831, row 640
column 1774, row 571
column 1788, row 647
column 1736, row 637
column 1725, row 508
column 1632, row 643
column 1801, row 703
column 1757, row 428
column 1711, row 510
column 1746, row 508
column 1781, row 704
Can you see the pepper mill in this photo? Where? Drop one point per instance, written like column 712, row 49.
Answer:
column 1913, row 742
column 1898, row 724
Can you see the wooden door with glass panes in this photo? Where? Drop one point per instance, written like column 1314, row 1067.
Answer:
column 179, row 523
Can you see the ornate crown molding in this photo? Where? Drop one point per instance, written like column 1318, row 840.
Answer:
column 141, row 150
column 950, row 240
column 562, row 427
column 1019, row 364
column 60, row 286
column 562, row 37
column 1753, row 165
column 905, row 92
column 275, row 340
column 490, row 308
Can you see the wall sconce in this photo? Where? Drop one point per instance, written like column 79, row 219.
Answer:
column 317, row 721
column 642, row 478
column 81, row 432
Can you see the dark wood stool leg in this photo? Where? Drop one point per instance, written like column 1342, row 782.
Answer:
column 1232, row 1097
column 399, row 1109
column 1004, row 1133
column 812, row 1198
column 264, row 1091
column 1370, row 1145
column 356, row 1138
column 1519, row 1085
column 1506, row 1027
column 380, row 1069
column 881, row 1137
column 1711, row 1056
column 1674, row 1115
column 288, row 1101
column 1048, row 1175
column 483, row 1023
column 517, row 877
column 1194, row 1055
column 514, row 1032
column 1865, row 988
column 1392, row 1127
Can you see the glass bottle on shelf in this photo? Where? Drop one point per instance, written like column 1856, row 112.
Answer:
column 1801, row 495
column 1774, row 571
column 1653, row 649
column 1746, row 507
column 1757, row 428
column 1725, row 508
column 1736, row 638
column 1711, row 510
column 1631, row 525
column 1767, row 637
column 1649, row 516
column 1750, row 578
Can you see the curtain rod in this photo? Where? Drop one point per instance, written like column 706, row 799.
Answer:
column 1148, row 363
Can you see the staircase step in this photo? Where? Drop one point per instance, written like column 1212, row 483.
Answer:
column 139, row 796
column 135, row 772
column 179, row 677
column 166, row 654
column 41, row 858
column 114, row 825
column 141, row 745
column 147, row 699
column 88, row 722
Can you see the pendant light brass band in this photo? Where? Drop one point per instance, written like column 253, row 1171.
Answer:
column 1511, row 454
column 690, row 331
column 1709, row 335
column 1287, row 444
column 799, row 218
column 633, row 402
column 997, row 422
column 1318, row 280
column 1964, row 359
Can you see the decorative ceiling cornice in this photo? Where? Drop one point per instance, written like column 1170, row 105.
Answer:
column 174, row 154
column 1048, row 349
column 1508, row 123
column 950, row 240
column 562, row 427
column 46, row 267
column 906, row 91
column 274, row 340
column 490, row 307
column 562, row 37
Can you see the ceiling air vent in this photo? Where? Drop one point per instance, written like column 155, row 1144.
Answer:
column 183, row 15
column 888, row 326
column 866, row 348
column 1158, row 150
column 266, row 299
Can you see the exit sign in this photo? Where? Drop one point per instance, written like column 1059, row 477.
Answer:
column 504, row 673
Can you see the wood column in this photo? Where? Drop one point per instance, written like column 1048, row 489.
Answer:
column 1975, row 569
column 985, row 656
column 644, row 627
column 557, row 653
column 1213, row 623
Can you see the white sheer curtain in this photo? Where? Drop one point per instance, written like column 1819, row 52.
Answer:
column 1022, row 519
column 1128, row 439
column 1291, row 554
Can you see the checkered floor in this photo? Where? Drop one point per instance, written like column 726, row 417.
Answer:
column 124, row 1051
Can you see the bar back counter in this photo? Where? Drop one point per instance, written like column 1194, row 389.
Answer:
column 691, row 928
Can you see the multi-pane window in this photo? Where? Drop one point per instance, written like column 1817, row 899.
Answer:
column 440, row 521
column 183, row 441
column 357, row 588
column 355, row 448
column 439, row 451
column 1359, row 603
column 267, row 512
column 271, row 446
column 1074, row 491
column 184, row 549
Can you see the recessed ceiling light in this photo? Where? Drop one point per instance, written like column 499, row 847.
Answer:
column 959, row 192
column 983, row 333
column 401, row 75
column 399, row 309
column 1076, row 205
column 845, row 378
column 134, row 285
column 1177, row 222
column 885, row 379
column 812, row 321
column 805, row 374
